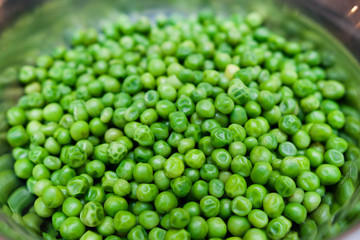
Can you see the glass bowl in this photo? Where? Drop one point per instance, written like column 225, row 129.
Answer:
column 30, row 27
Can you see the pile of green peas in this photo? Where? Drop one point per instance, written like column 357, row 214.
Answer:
column 205, row 127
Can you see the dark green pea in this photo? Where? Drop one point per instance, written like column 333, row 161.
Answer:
column 147, row 192
column 95, row 193
column 199, row 189
column 179, row 218
column 185, row 104
column 193, row 131
column 178, row 121
column 225, row 208
column 205, row 108
column 221, row 158
column 174, row 167
column 241, row 206
column 108, row 181
column 287, row 149
column 138, row 207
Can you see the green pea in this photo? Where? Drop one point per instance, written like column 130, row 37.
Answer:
column 261, row 172
column 72, row 207
column 165, row 202
column 235, row 186
column 295, row 212
column 149, row 219
column 273, row 205
column 209, row 206
column 308, row 181
column 205, row 108
column 194, row 158
column 197, row 227
column 92, row 214
column 173, row 167
column 72, row 228
column 200, row 189
column 320, row 132
column 177, row 234
column 238, row 226
column 311, row 201
column 147, row 192
column 77, row 186
column 241, row 206
column 289, row 124
column 209, row 171
column 113, row 204
column 193, row 208
column 181, row 186
column 124, row 221
column 217, row 228
column 256, row 194
column 258, row 218
column 328, row 174
column 221, row 158
column 278, row 227
column 53, row 197
column 157, row 233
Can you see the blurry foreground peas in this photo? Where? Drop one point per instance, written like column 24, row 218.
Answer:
column 206, row 128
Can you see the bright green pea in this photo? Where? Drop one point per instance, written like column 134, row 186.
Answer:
column 285, row 186
column 217, row 228
column 72, row 228
column 165, row 202
column 174, row 167
column 273, row 205
column 258, row 218
column 328, row 174
column 124, row 221
column 209, row 206
column 235, row 186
